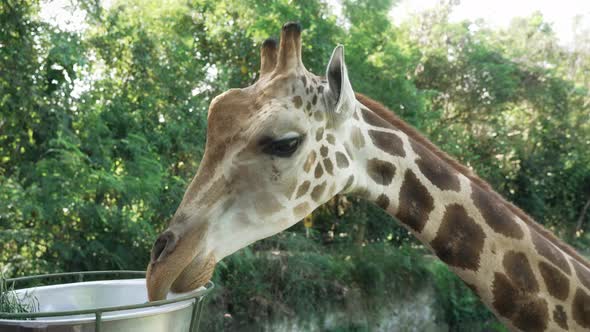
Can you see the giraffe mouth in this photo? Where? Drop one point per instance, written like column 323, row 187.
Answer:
column 163, row 278
column 178, row 264
column 195, row 275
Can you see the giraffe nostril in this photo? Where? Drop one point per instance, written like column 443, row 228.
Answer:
column 163, row 246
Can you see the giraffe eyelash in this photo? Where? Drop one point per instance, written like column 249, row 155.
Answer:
column 283, row 147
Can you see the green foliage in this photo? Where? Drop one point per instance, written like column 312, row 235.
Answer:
column 102, row 129
column 291, row 276
column 460, row 306
column 505, row 112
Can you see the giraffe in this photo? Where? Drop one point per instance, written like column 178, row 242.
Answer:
column 280, row 148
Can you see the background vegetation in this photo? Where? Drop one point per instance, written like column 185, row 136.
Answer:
column 102, row 128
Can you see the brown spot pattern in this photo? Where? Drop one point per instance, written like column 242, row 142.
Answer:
column 382, row 201
column 318, row 116
column 303, row 188
column 290, row 187
column 329, row 166
column 315, row 99
column 330, row 138
column 435, row 170
column 357, row 138
column 332, row 190
column 560, row 317
column 301, row 210
column 319, row 134
column 318, row 171
column 317, row 191
column 297, row 101
column 341, row 160
column 380, row 171
column 388, row 142
column 348, row 183
column 266, row 203
column 459, row 240
column 374, row 119
column 324, row 150
column 581, row 308
column 415, row 203
column 583, row 273
column 495, row 213
column 527, row 311
column 309, row 162
column 558, row 285
column 550, row 251
column 519, row 270
column 304, row 80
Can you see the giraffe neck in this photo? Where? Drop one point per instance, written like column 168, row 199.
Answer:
column 530, row 283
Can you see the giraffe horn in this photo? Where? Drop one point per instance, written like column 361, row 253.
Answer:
column 290, row 47
column 268, row 56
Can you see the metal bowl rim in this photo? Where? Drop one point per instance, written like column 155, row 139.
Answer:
column 197, row 295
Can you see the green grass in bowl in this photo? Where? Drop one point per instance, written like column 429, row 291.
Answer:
column 11, row 302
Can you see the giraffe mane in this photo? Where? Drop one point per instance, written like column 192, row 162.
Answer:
column 393, row 119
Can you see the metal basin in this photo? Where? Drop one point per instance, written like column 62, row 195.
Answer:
column 113, row 305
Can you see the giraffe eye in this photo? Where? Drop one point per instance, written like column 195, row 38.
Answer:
column 283, row 147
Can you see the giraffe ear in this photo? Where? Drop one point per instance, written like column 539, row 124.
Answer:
column 340, row 97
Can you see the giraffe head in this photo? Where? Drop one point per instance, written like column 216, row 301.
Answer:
column 272, row 155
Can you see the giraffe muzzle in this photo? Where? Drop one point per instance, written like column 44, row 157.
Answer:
column 179, row 261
